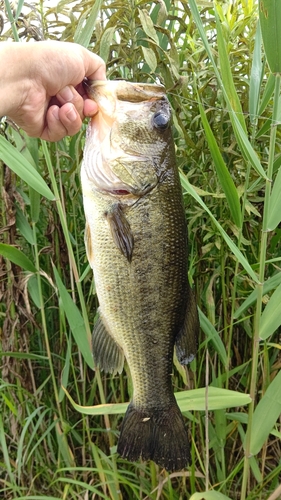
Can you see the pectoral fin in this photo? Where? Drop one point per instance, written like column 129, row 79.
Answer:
column 121, row 231
column 88, row 245
column 108, row 356
column 187, row 338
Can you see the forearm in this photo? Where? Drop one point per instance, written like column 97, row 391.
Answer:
column 14, row 80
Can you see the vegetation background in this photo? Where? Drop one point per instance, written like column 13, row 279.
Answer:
column 56, row 441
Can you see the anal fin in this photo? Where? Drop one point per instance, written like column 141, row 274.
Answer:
column 108, row 355
column 187, row 338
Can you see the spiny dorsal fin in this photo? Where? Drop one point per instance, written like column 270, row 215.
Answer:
column 121, row 231
column 187, row 338
column 108, row 356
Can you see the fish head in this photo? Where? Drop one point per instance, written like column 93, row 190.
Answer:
column 127, row 140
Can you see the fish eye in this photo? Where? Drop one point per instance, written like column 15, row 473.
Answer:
column 161, row 120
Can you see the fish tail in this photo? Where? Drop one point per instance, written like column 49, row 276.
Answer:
column 155, row 434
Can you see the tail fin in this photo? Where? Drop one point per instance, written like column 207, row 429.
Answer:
column 155, row 434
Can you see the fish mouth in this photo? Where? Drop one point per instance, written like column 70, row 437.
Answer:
column 124, row 91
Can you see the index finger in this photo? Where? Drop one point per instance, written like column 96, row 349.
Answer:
column 95, row 68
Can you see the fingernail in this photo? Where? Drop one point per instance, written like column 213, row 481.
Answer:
column 55, row 112
column 66, row 94
column 71, row 114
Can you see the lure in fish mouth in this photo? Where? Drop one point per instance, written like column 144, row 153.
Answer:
column 136, row 242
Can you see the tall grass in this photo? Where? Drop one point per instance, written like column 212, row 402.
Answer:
column 57, row 439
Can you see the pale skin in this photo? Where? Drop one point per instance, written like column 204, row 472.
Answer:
column 41, row 86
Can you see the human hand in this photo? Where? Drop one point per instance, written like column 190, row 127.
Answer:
column 41, row 89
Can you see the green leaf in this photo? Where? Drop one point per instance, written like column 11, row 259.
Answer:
column 83, row 35
column 105, row 43
column 240, row 134
column 274, row 216
column 235, row 250
column 271, row 317
column 270, row 20
column 227, row 78
column 150, row 58
column 266, row 414
column 17, row 257
column 187, row 400
column 64, row 448
column 255, row 77
column 269, row 285
column 21, row 166
column 213, row 336
column 147, row 25
column 224, row 176
column 268, row 91
column 209, row 495
column 24, row 227
column 75, row 321
column 33, row 290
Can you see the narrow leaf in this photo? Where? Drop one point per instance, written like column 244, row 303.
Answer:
column 226, row 75
column 209, row 495
column 224, row 176
column 187, row 400
column 240, row 134
column 83, row 36
column 266, row 414
column 21, row 166
column 271, row 317
column 150, row 58
column 105, row 43
column 147, row 25
column 270, row 20
column 17, row 257
column 274, row 217
column 256, row 76
column 268, row 91
column 24, row 227
column 235, row 250
column 75, row 321
column 213, row 336
column 269, row 285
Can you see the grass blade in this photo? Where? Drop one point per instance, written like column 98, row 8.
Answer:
column 226, row 74
column 187, row 400
column 21, row 166
column 224, row 176
column 213, row 336
column 17, row 257
column 83, row 36
column 266, row 414
column 209, row 495
column 271, row 317
column 229, row 242
column 256, row 77
column 75, row 321
column 274, row 217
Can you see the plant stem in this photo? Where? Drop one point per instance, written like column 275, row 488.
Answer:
column 262, row 260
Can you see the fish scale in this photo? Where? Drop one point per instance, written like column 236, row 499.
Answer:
column 136, row 241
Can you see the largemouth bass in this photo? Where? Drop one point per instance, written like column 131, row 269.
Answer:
column 136, row 241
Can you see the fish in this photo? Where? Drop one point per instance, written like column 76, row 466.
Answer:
column 136, row 243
